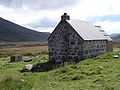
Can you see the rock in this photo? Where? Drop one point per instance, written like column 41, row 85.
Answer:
column 29, row 67
column 22, row 80
column 116, row 56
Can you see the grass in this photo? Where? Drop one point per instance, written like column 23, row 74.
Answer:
column 23, row 48
column 99, row 73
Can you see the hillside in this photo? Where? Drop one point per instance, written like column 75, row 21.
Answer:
column 12, row 32
column 115, row 37
column 99, row 73
column 114, row 34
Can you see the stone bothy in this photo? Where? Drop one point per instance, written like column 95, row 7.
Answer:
column 76, row 40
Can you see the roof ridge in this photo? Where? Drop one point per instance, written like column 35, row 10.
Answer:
column 77, row 20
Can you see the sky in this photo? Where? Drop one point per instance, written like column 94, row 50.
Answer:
column 44, row 15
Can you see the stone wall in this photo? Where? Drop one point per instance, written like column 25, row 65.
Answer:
column 94, row 48
column 109, row 46
column 65, row 44
column 74, row 46
column 57, row 44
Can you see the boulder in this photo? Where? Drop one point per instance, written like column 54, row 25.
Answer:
column 29, row 67
column 116, row 56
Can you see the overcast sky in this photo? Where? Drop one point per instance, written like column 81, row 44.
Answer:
column 44, row 15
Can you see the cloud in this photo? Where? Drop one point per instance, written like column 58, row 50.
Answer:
column 43, row 14
column 109, row 18
column 44, row 29
column 44, row 22
column 92, row 8
column 38, row 4
column 4, row 2
column 109, row 27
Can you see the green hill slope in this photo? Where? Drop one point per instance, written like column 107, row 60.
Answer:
column 14, row 33
column 99, row 73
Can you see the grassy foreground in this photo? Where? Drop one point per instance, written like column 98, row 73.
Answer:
column 99, row 73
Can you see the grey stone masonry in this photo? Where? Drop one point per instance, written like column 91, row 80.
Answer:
column 94, row 48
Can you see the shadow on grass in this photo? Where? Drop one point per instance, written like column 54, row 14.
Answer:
column 47, row 66
column 41, row 67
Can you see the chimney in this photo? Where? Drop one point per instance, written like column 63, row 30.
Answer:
column 65, row 17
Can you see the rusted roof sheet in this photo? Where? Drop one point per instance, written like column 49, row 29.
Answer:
column 86, row 30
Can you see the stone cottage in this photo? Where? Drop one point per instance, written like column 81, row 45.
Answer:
column 76, row 40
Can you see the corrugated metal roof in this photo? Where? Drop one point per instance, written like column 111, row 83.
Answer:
column 86, row 30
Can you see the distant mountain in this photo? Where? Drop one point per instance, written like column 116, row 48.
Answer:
column 115, row 36
column 12, row 32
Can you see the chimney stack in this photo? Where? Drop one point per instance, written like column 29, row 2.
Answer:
column 65, row 17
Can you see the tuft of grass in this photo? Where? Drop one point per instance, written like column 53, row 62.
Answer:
column 14, row 82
